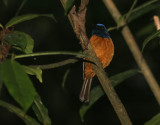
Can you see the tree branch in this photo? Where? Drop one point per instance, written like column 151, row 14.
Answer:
column 77, row 20
column 134, row 50
column 55, row 65
column 156, row 22
column 78, row 55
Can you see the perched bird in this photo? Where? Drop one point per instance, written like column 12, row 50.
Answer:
column 103, row 46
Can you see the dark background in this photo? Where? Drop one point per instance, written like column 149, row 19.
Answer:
column 63, row 103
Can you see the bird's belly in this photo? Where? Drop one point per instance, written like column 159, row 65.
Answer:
column 103, row 48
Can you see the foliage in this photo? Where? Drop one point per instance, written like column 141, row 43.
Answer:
column 34, row 71
column 41, row 111
column 19, row 112
column 22, row 18
column 68, row 6
column 17, row 83
column 20, row 41
column 149, row 38
column 14, row 76
column 154, row 121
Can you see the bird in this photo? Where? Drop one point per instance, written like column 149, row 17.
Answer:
column 103, row 46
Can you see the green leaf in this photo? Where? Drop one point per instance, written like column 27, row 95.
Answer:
column 149, row 38
column 22, row 18
column 120, row 77
column 145, row 30
column 18, row 83
column 133, row 14
column 154, row 121
column 20, row 113
column 21, row 41
column 98, row 92
column 34, row 71
column 41, row 111
column 143, row 9
column 1, row 26
column 120, row 20
column 68, row 6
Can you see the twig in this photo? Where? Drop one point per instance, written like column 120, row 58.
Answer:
column 20, row 7
column 78, row 22
column 78, row 55
column 130, row 10
column 156, row 22
column 55, row 65
column 135, row 50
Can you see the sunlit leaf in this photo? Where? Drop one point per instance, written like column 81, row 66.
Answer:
column 68, row 6
column 131, row 9
column 41, row 111
column 34, row 71
column 149, row 38
column 143, row 9
column 1, row 25
column 21, row 41
column 154, row 121
column 22, row 18
column 20, row 113
column 98, row 92
column 18, row 83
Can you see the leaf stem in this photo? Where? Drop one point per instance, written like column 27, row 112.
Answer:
column 77, row 54
column 55, row 65
column 20, row 7
column 130, row 10
column 27, row 119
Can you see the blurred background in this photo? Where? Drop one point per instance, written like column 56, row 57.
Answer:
column 63, row 102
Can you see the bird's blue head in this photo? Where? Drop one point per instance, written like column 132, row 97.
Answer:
column 101, row 31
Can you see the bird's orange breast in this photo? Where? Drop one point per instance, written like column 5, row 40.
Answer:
column 104, row 50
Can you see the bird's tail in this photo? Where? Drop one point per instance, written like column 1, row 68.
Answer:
column 85, row 91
